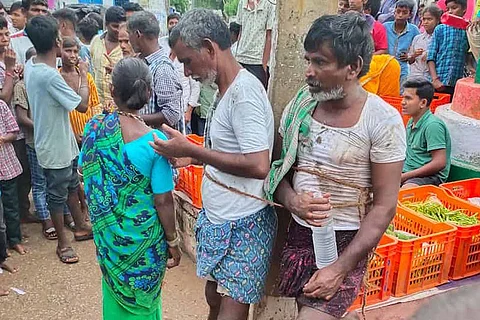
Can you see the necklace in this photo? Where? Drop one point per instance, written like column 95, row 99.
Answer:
column 131, row 115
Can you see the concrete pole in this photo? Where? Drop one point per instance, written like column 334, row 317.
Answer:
column 294, row 18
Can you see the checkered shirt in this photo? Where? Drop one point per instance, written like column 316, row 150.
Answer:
column 10, row 167
column 448, row 50
column 166, row 89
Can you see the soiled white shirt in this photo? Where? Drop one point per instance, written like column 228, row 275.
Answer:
column 346, row 154
column 242, row 123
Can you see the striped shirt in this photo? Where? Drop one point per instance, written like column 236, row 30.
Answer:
column 166, row 89
column 78, row 120
column 99, row 62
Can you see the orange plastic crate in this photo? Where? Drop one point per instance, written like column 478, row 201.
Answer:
column 190, row 178
column 463, row 189
column 380, row 273
column 439, row 99
column 466, row 254
column 396, row 102
column 424, row 262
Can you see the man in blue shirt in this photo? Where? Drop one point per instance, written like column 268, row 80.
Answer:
column 448, row 50
column 400, row 34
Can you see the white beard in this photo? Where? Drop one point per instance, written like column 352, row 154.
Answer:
column 210, row 78
column 336, row 93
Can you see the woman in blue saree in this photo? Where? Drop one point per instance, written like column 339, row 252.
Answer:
column 128, row 189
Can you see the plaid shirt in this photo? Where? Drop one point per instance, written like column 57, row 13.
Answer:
column 166, row 89
column 448, row 50
column 10, row 167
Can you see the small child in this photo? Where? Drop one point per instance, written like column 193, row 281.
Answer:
column 400, row 35
column 418, row 50
column 343, row 6
column 10, row 169
column 448, row 50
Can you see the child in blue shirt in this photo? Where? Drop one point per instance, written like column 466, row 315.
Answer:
column 400, row 34
column 448, row 50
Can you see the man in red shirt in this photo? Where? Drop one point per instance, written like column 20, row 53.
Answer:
column 378, row 31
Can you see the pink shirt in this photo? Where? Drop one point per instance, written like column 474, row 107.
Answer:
column 379, row 35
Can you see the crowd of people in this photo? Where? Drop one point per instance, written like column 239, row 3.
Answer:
column 93, row 117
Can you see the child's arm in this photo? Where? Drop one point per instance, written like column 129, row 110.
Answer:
column 8, row 138
column 432, row 57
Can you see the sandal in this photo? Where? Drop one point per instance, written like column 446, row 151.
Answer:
column 70, row 226
column 67, row 255
column 85, row 237
column 50, row 234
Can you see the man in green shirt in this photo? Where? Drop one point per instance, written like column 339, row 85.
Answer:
column 428, row 139
column 206, row 99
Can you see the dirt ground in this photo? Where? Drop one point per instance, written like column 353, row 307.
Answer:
column 55, row 291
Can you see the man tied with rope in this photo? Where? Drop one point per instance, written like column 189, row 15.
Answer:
column 339, row 140
column 235, row 233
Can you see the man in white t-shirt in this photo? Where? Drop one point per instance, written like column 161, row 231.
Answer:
column 340, row 140
column 19, row 41
column 236, row 228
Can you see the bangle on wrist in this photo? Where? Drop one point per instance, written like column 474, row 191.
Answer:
column 174, row 243
column 9, row 74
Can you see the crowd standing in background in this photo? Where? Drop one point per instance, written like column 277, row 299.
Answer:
column 107, row 100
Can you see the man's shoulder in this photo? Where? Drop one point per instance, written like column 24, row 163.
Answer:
column 435, row 123
column 380, row 109
column 18, row 35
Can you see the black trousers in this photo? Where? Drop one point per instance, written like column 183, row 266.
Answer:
column 24, row 184
column 3, row 237
column 258, row 71
column 10, row 211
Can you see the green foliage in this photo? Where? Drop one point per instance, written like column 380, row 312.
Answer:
column 230, row 7
column 180, row 5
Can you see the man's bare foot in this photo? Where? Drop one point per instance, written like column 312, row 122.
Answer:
column 20, row 249
column 4, row 292
column 8, row 268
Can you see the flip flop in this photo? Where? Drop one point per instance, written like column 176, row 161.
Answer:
column 84, row 237
column 67, row 255
column 71, row 226
column 50, row 234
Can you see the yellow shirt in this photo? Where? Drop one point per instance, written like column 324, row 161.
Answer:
column 78, row 120
column 98, row 50
column 383, row 78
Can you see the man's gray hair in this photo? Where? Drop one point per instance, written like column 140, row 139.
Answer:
column 198, row 25
column 146, row 23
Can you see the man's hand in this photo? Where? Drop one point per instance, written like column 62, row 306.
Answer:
column 188, row 114
column 109, row 67
column 418, row 53
column 83, row 66
column 19, row 69
column 325, row 283
column 403, row 57
column 175, row 257
column 176, row 147
column 10, row 59
column 438, row 85
column 181, row 162
column 2, row 140
column 311, row 209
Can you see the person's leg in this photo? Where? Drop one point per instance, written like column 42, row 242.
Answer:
column 83, row 230
column 24, row 184
column 307, row 313
column 11, row 214
column 214, row 300
column 201, row 126
column 194, row 123
column 57, row 193
column 232, row 310
column 39, row 194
